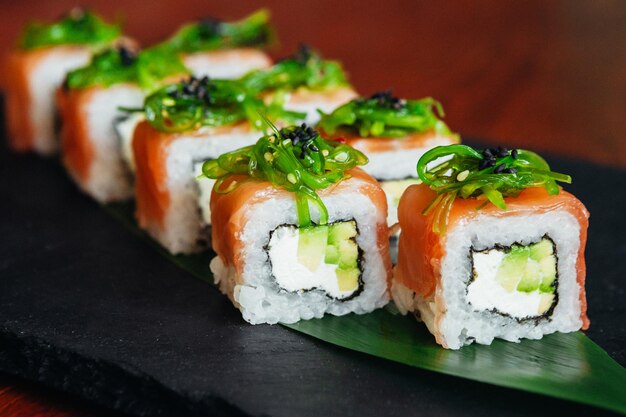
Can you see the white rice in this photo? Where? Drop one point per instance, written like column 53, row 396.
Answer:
column 256, row 293
column 399, row 163
column 125, row 128
column 205, row 189
column 44, row 80
column 310, row 101
column 447, row 312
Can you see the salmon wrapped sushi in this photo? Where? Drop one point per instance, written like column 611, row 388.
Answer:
column 209, row 47
column 490, row 248
column 224, row 50
column 38, row 67
column 88, row 104
column 186, row 124
column 393, row 133
column 299, row 230
column 303, row 82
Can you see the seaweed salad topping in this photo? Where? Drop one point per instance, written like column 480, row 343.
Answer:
column 209, row 34
column 305, row 68
column 459, row 171
column 198, row 102
column 76, row 27
column 384, row 115
column 296, row 159
column 111, row 66
column 148, row 68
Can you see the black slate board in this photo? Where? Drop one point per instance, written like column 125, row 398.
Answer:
column 89, row 309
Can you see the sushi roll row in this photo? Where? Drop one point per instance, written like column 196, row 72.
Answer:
column 296, row 183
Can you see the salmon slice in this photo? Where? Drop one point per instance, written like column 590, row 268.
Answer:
column 33, row 77
column 76, row 148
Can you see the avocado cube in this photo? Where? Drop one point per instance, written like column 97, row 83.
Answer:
column 531, row 278
column 332, row 255
column 545, row 303
column 347, row 279
column 348, row 254
column 341, row 231
column 312, row 246
column 512, row 268
column 541, row 250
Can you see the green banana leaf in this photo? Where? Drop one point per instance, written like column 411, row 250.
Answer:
column 566, row 366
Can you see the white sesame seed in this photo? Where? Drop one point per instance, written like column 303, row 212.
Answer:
column 341, row 157
column 462, row 175
column 291, row 178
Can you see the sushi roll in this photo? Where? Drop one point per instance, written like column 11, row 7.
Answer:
column 90, row 103
column 225, row 50
column 393, row 133
column 491, row 247
column 209, row 47
column 303, row 82
column 188, row 123
column 299, row 230
column 38, row 67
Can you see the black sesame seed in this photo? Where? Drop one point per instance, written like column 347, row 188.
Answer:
column 502, row 152
column 127, row 57
column 209, row 27
column 514, row 153
column 509, row 171
column 499, row 169
column 491, row 162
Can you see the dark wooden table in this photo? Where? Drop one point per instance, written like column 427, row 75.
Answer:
column 545, row 75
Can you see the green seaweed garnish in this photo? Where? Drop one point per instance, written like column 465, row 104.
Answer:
column 157, row 63
column 455, row 171
column 383, row 115
column 111, row 66
column 76, row 27
column 296, row 159
column 153, row 65
column 305, row 68
column 198, row 102
column 209, row 34
column 148, row 68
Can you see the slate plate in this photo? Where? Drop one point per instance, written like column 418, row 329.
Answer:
column 87, row 308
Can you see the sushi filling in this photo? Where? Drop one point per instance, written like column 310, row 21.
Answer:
column 519, row 281
column 317, row 257
column 205, row 188
column 393, row 190
column 125, row 128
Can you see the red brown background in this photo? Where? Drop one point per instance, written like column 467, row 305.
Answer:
column 546, row 75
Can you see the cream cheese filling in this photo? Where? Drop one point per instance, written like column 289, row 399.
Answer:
column 293, row 276
column 486, row 292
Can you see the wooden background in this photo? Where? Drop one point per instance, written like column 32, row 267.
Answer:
column 545, row 75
